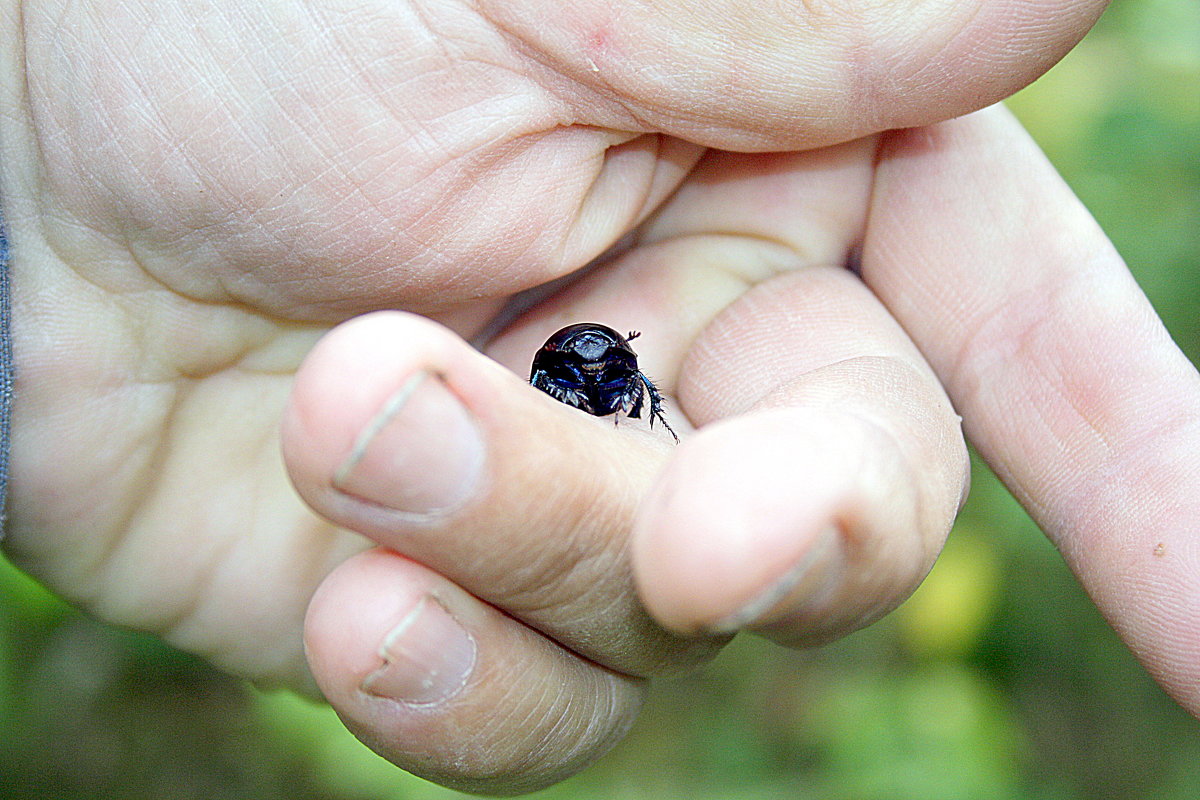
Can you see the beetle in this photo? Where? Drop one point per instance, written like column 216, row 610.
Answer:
column 593, row 368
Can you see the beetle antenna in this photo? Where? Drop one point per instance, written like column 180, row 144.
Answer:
column 633, row 335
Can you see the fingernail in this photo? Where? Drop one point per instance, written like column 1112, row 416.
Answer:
column 427, row 657
column 811, row 582
column 421, row 454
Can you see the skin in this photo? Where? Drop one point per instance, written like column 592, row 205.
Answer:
column 189, row 242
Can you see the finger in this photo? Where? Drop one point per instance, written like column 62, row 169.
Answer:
column 1070, row 386
column 453, row 690
column 738, row 221
column 400, row 431
column 863, row 467
column 823, row 480
column 765, row 76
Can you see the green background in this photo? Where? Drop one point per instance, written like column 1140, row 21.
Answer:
column 996, row 680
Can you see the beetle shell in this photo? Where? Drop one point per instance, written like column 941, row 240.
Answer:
column 593, row 368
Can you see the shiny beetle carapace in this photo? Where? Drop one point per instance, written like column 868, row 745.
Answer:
column 593, row 368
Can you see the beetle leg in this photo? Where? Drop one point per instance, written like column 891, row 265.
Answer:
column 540, row 380
column 572, row 397
column 633, row 399
column 655, row 406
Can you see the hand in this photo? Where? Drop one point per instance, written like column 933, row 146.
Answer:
column 825, row 469
column 245, row 198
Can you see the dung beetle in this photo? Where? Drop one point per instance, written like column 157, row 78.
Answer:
column 593, row 368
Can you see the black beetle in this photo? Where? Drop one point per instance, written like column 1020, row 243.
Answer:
column 593, row 368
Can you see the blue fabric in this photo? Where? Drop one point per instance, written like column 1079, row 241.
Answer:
column 6, row 371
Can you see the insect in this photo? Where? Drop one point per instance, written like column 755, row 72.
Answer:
column 593, row 368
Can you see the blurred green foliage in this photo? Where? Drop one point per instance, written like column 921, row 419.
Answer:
column 997, row 680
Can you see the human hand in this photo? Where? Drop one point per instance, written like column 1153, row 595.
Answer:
column 729, row 536
column 251, row 232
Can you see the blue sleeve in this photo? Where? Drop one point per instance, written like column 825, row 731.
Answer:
column 6, row 371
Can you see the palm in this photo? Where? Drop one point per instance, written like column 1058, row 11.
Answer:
column 250, row 198
column 307, row 179
column 244, row 237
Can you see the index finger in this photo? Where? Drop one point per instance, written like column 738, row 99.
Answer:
column 787, row 76
column 1069, row 385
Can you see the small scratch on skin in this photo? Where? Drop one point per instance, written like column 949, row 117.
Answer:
column 1160, row 550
